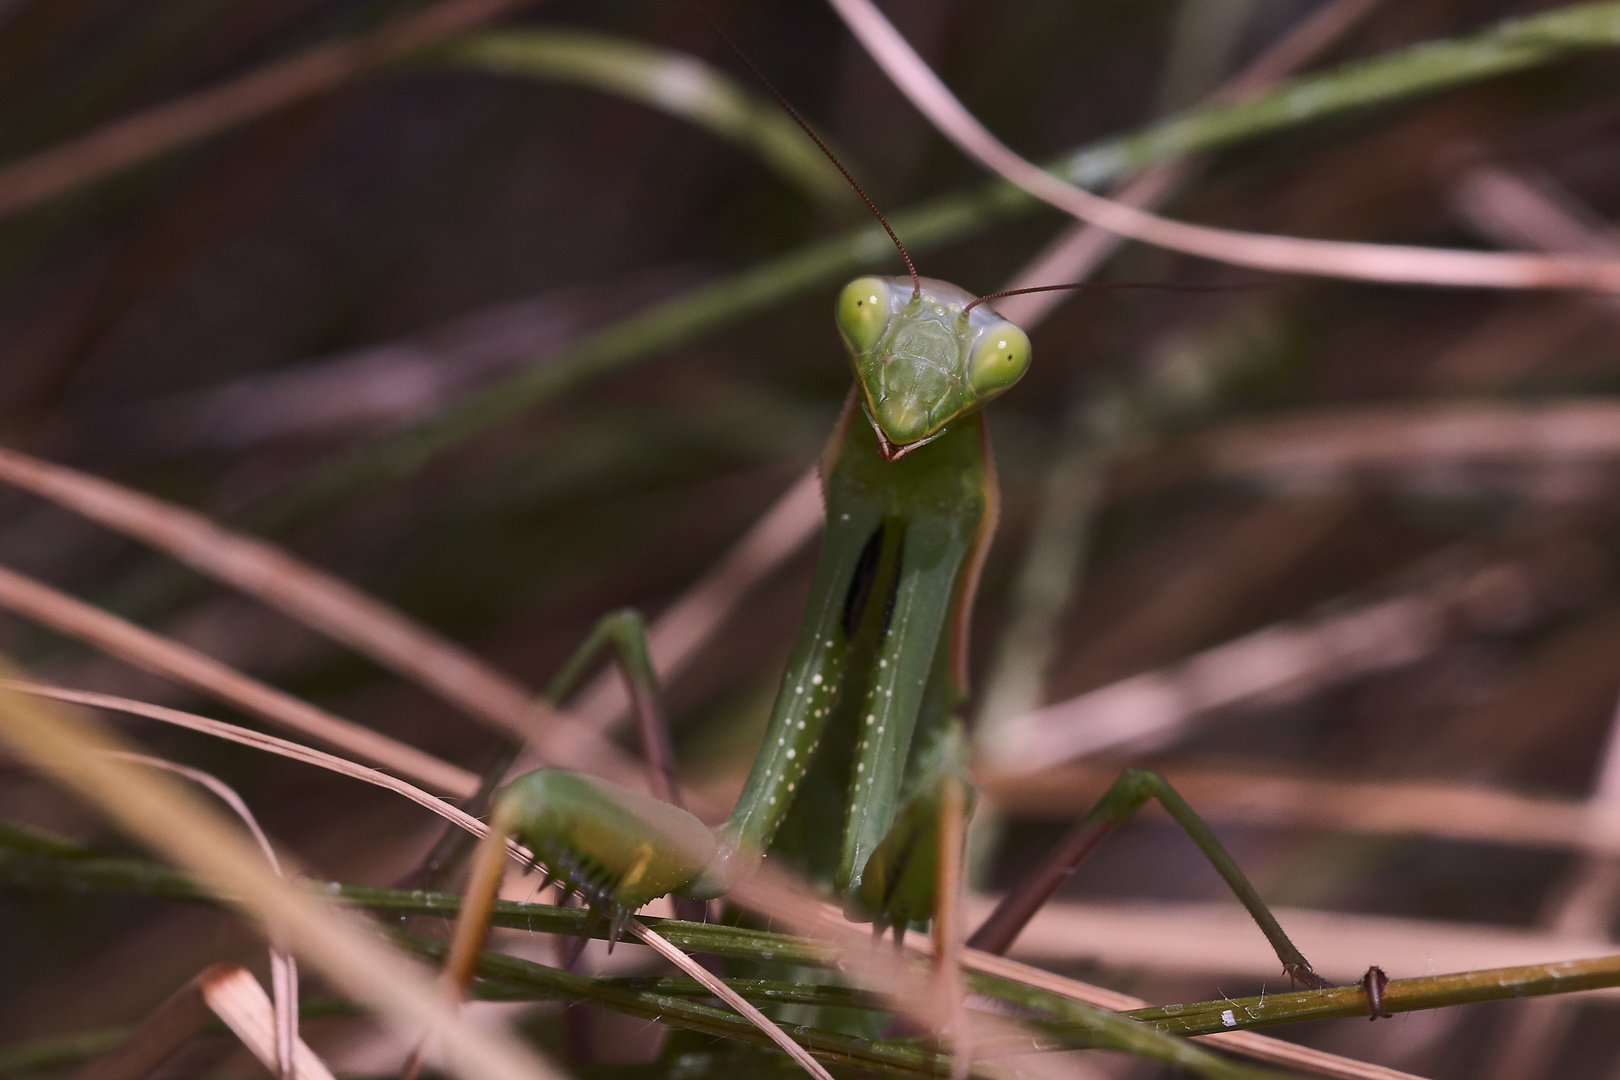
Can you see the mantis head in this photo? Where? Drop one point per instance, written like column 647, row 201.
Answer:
column 923, row 359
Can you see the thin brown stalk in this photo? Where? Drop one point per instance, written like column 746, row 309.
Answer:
column 137, row 138
column 258, row 740
column 168, row 819
column 1308, row 39
column 1515, row 208
column 908, row 987
column 1219, row 938
column 676, row 636
column 995, row 1040
column 1392, row 263
column 1077, row 252
column 236, row 997
column 330, row 606
column 159, row 1034
column 171, row 660
column 1319, row 448
column 227, row 991
column 283, row 968
column 1582, row 903
column 725, row 993
column 1448, row 810
column 1286, row 659
column 947, row 928
column 1154, row 706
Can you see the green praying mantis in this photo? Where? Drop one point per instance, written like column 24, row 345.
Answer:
column 862, row 737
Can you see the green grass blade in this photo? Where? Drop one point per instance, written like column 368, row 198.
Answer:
column 672, row 82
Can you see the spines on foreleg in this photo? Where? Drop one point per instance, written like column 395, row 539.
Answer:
column 614, row 848
column 624, row 634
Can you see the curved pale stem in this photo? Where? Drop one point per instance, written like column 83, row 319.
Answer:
column 1282, row 254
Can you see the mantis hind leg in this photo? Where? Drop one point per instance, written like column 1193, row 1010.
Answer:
column 1133, row 788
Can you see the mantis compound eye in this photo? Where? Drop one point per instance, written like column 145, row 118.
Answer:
column 863, row 312
column 1000, row 358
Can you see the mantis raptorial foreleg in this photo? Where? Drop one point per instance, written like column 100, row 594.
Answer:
column 899, row 885
column 624, row 632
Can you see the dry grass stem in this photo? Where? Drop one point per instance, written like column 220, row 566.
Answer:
column 1077, row 251
column 1219, row 938
column 947, row 926
column 1302, row 44
column 1249, row 796
column 1148, row 709
column 1582, row 904
column 1391, row 263
column 269, row 743
column 1514, row 208
column 161, row 656
column 227, row 991
column 1295, row 659
column 1327, row 448
column 283, row 968
column 144, row 135
column 675, row 638
column 725, row 993
column 236, row 997
column 907, row 985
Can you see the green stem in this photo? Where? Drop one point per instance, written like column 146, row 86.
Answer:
column 1426, row 68
column 1401, row 995
column 673, row 82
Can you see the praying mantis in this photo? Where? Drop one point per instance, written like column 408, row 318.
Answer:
column 862, row 736
column 864, row 711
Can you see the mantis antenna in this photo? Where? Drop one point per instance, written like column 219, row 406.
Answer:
column 787, row 107
column 1077, row 286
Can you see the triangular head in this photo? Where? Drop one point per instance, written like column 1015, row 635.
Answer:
column 924, row 357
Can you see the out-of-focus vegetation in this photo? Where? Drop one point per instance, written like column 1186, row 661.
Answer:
column 488, row 335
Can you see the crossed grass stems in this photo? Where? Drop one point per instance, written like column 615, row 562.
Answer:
column 670, row 997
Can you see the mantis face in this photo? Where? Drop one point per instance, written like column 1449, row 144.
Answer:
column 919, row 361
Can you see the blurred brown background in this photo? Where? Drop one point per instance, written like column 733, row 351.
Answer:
column 220, row 323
